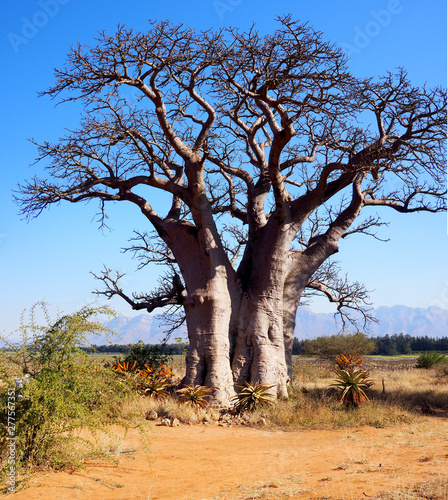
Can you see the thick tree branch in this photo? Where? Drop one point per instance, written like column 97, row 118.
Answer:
column 165, row 295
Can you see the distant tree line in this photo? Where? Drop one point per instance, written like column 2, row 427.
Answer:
column 387, row 345
column 170, row 349
column 405, row 344
column 391, row 345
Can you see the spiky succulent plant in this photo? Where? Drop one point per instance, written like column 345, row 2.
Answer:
column 195, row 395
column 352, row 385
column 253, row 396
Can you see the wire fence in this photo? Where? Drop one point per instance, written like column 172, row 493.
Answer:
column 392, row 365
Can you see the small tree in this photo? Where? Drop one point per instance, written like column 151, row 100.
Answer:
column 55, row 389
column 141, row 355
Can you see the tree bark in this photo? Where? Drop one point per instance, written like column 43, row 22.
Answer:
column 295, row 283
column 260, row 350
column 208, row 315
column 210, row 306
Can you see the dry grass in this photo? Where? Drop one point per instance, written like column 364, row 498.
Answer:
column 276, row 488
column 87, row 446
column 325, row 412
column 396, row 397
column 416, row 387
column 431, row 490
column 172, row 408
column 408, row 394
column 290, row 488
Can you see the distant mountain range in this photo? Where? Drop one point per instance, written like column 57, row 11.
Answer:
column 414, row 321
column 432, row 322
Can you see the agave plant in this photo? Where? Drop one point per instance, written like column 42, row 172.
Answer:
column 253, row 396
column 352, row 384
column 195, row 395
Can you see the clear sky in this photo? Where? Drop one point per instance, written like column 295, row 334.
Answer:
column 50, row 257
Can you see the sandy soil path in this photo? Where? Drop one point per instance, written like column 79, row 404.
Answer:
column 205, row 462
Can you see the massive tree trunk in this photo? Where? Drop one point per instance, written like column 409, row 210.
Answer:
column 260, row 350
column 300, row 270
column 294, row 285
column 211, row 304
column 209, row 315
column 301, row 265
column 210, row 308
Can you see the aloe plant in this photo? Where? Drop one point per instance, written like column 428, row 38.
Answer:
column 195, row 395
column 253, row 396
column 352, row 385
column 349, row 361
column 156, row 388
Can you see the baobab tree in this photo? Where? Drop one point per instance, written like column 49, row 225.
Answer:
column 267, row 151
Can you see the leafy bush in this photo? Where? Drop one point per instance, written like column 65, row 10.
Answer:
column 141, row 355
column 57, row 392
column 253, row 396
column 330, row 347
column 429, row 359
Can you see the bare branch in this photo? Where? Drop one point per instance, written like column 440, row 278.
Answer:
column 352, row 299
column 170, row 292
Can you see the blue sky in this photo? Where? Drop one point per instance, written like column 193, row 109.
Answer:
column 50, row 257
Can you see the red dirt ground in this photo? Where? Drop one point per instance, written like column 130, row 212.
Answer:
column 204, row 462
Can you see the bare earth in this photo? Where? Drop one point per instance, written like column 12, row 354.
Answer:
column 204, row 462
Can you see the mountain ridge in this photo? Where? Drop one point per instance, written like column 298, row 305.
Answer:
column 414, row 321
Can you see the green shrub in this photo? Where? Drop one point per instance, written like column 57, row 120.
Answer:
column 429, row 359
column 141, row 355
column 331, row 346
column 54, row 391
